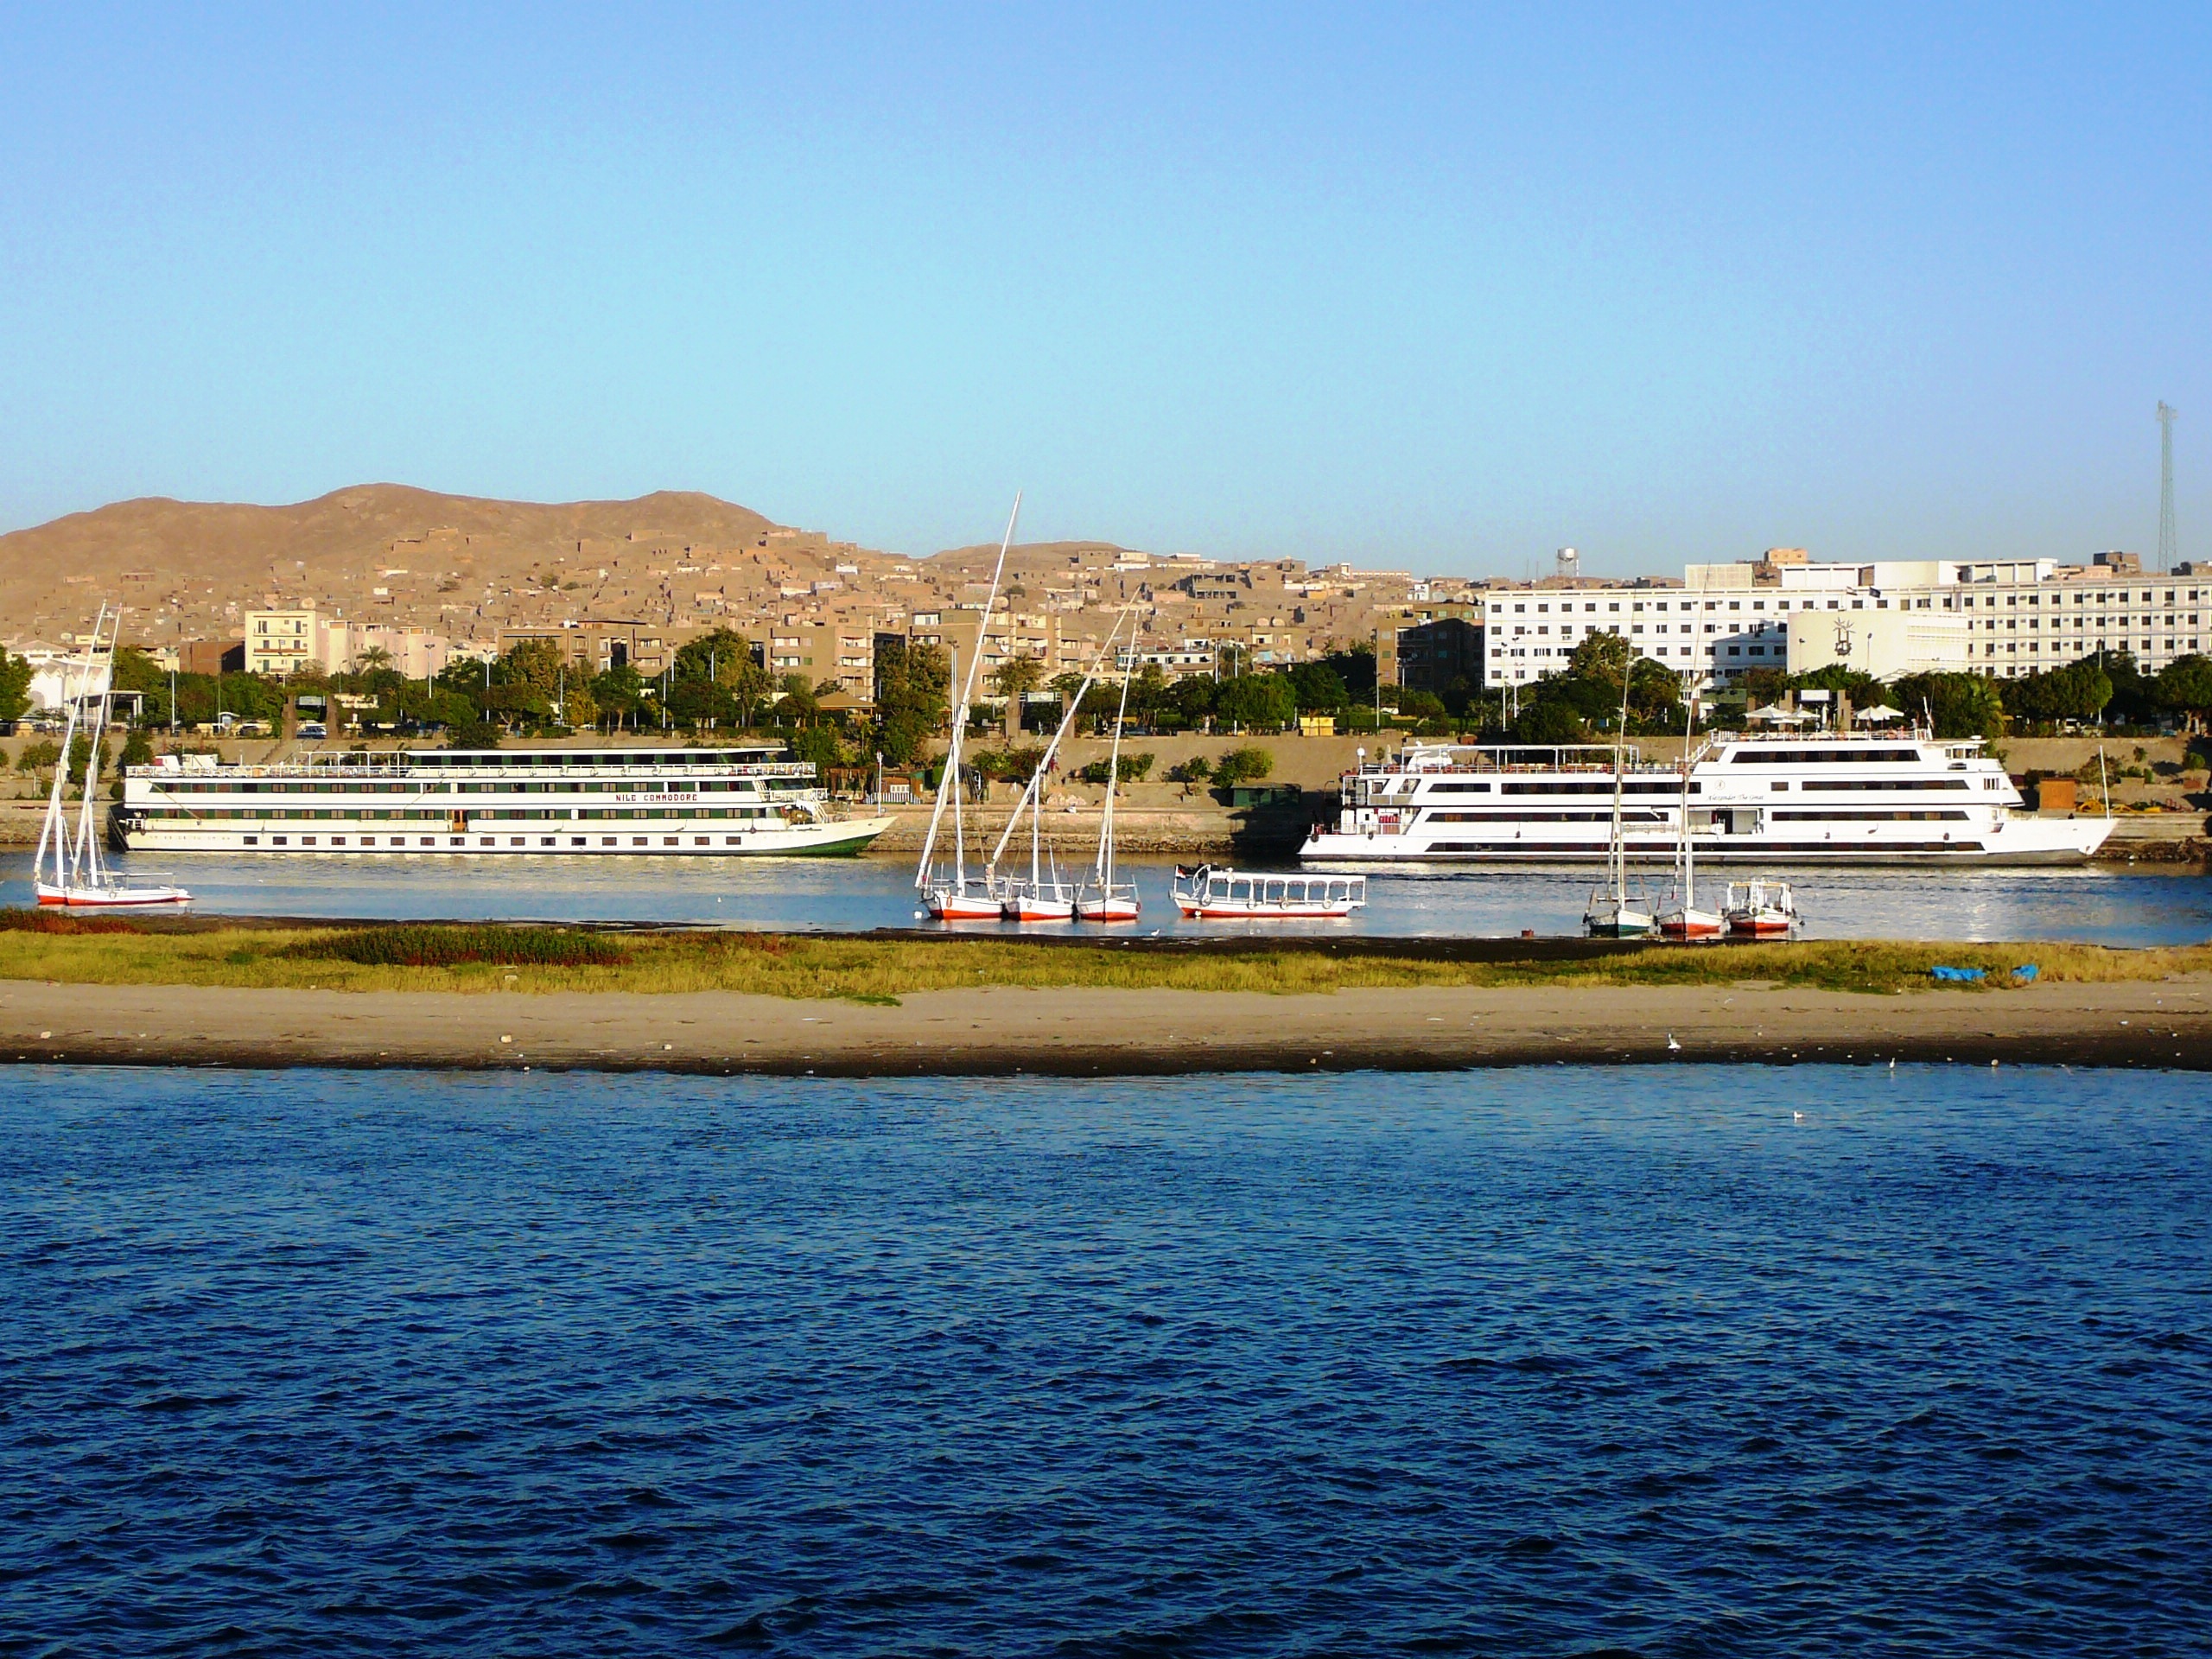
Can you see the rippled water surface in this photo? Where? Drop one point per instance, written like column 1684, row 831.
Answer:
column 2098, row 904
column 1549, row 1362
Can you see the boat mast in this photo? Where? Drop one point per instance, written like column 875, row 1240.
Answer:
column 56, row 827
column 85, row 862
column 1104, row 868
column 951, row 778
column 1031, row 797
column 1689, row 876
column 1619, row 852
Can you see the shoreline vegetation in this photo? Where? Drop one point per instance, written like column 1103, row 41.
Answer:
column 488, row 958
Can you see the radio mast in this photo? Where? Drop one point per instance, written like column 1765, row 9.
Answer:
column 2168, row 553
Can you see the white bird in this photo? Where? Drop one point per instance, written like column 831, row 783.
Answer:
column 1671, row 1043
column 1797, row 1117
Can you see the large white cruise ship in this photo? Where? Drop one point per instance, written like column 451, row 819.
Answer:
column 540, row 803
column 1860, row 798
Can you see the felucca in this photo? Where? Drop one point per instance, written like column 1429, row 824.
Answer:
column 952, row 894
column 78, row 880
column 1614, row 912
column 1045, row 895
column 1683, row 919
column 1101, row 898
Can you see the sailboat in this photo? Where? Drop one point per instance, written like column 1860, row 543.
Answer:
column 1045, row 895
column 1101, row 898
column 76, row 878
column 950, row 893
column 1615, row 912
column 1683, row 919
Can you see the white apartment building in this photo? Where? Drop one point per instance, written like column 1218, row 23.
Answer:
column 2003, row 618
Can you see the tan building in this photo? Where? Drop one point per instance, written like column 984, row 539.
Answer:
column 282, row 642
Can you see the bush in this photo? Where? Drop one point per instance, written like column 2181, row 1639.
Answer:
column 1134, row 769
column 37, row 757
column 1243, row 766
column 414, row 946
column 472, row 734
column 1193, row 771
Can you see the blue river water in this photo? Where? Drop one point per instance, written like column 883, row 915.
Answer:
column 2093, row 904
column 1552, row 1361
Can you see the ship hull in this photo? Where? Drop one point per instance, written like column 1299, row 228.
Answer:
column 842, row 839
column 2026, row 841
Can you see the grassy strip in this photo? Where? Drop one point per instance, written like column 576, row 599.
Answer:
column 538, row 959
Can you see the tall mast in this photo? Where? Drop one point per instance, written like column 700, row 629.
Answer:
column 1619, row 851
column 1689, row 874
column 56, row 827
column 84, row 858
column 1104, row 867
column 1031, row 795
column 960, row 713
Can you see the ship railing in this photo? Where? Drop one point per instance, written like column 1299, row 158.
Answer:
column 801, row 771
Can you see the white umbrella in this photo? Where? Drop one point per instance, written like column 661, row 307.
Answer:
column 1775, row 716
column 1881, row 711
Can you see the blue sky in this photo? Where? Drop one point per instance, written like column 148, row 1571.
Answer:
column 1426, row 286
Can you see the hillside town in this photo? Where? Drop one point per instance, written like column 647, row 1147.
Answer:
column 779, row 616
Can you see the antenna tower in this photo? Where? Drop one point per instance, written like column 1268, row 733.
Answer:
column 2168, row 553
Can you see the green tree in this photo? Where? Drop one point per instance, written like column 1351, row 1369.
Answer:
column 579, row 709
column 1190, row 702
column 1319, row 687
column 912, row 699
column 618, row 692
column 533, row 665
column 819, row 747
column 14, row 686
column 472, row 734
column 1355, row 667
column 1256, row 702
column 38, row 756
column 1247, row 766
column 2185, row 686
column 1014, row 679
column 1549, row 721
column 2077, row 691
column 1956, row 705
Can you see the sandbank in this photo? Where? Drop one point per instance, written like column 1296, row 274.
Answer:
column 1091, row 1031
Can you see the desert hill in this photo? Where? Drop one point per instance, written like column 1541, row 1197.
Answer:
column 386, row 552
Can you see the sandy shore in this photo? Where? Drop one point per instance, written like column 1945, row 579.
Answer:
column 999, row 1032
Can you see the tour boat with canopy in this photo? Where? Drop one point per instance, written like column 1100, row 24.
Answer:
column 1208, row 894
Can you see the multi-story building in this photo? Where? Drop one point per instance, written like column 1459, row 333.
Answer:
column 2003, row 618
column 1436, row 653
column 282, row 642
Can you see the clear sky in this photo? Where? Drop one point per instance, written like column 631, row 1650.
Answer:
column 1431, row 286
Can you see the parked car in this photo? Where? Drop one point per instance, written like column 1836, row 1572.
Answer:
column 314, row 729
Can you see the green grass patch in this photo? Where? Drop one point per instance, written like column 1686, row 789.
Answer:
column 483, row 957
column 414, row 945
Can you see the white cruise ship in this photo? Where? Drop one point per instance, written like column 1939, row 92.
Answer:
column 1860, row 798
column 542, row 801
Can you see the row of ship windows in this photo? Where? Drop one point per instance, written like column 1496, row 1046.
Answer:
column 1777, row 783
column 1893, row 815
column 491, row 841
column 2146, row 596
column 639, row 786
column 521, row 815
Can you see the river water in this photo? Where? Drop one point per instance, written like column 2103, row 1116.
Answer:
column 1557, row 1362
column 2093, row 904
